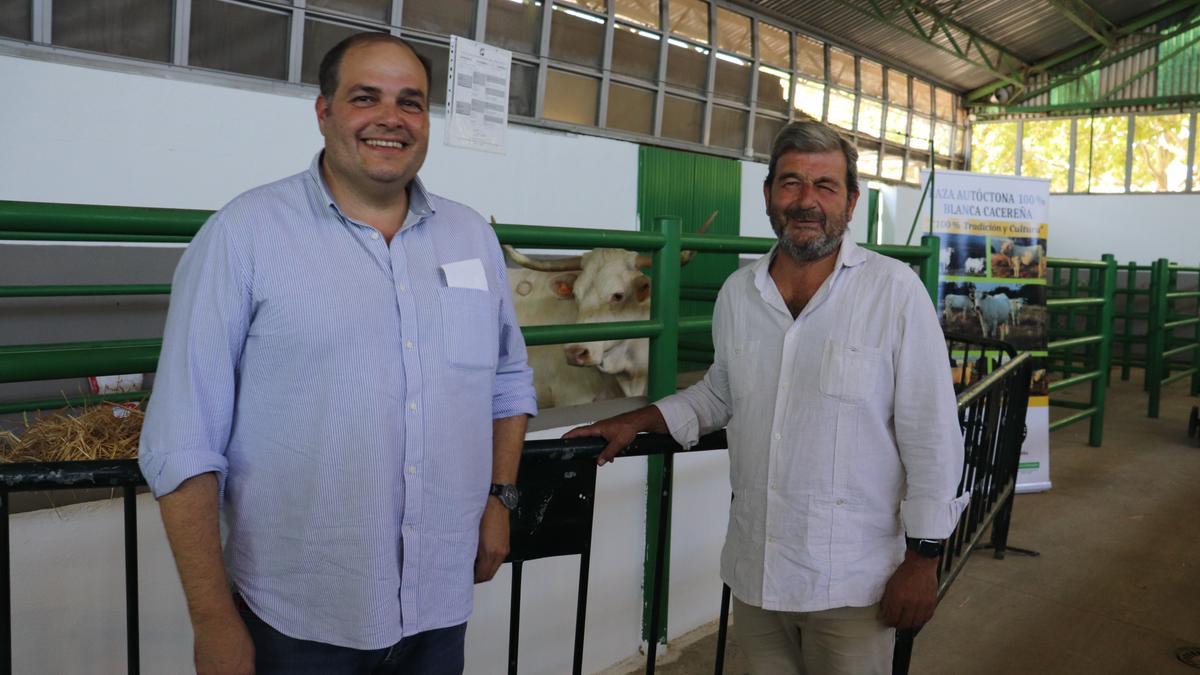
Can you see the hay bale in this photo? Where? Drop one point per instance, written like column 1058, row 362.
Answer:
column 105, row 431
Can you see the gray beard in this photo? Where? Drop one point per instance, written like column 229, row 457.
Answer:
column 813, row 250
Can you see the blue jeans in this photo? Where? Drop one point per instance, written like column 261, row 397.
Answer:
column 433, row 652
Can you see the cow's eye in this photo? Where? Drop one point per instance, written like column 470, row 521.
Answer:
column 618, row 297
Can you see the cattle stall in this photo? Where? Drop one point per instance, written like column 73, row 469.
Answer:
column 1170, row 311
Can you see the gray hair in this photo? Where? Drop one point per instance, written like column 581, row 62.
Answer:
column 812, row 136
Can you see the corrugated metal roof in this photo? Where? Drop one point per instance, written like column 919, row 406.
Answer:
column 1030, row 29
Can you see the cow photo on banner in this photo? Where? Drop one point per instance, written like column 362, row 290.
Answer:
column 993, row 284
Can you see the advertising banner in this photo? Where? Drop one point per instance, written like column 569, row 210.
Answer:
column 993, row 232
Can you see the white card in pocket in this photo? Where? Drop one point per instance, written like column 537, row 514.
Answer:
column 465, row 274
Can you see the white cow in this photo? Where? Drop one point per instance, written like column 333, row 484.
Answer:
column 944, row 257
column 993, row 315
column 1014, row 309
column 957, row 303
column 973, row 266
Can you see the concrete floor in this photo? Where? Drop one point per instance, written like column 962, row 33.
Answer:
column 1116, row 589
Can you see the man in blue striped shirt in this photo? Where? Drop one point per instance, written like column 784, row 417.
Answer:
column 342, row 374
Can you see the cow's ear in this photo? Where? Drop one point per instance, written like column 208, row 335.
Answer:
column 642, row 285
column 563, row 285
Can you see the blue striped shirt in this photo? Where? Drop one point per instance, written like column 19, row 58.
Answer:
column 343, row 392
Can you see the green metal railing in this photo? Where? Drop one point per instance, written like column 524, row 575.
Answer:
column 1164, row 346
column 1082, row 321
column 1129, row 315
column 56, row 222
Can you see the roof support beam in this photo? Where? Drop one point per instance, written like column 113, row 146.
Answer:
column 1090, row 44
column 1089, row 20
column 940, row 31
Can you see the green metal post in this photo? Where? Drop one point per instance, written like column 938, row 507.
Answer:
column 929, row 265
column 1128, row 312
column 1072, row 292
column 872, row 216
column 1156, row 339
column 1103, row 351
column 664, row 308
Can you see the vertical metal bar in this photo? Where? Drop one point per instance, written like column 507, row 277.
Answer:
column 873, row 216
column 1128, row 312
column 539, row 110
column 722, row 630
column 514, row 617
column 5, row 589
column 664, row 19
column 664, row 307
column 1019, row 152
column 902, row 654
column 1108, row 281
column 180, row 37
column 658, row 602
column 585, row 564
column 1071, row 156
column 133, row 653
column 1192, row 179
column 1154, row 346
column 605, row 67
column 929, row 265
column 1072, row 292
column 1129, row 152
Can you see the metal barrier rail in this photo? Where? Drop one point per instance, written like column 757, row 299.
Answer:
column 1163, row 346
column 1095, row 337
column 1128, row 314
column 22, row 220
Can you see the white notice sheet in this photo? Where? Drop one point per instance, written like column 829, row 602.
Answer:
column 477, row 105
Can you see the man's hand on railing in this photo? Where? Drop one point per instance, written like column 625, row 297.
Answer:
column 911, row 594
column 620, row 431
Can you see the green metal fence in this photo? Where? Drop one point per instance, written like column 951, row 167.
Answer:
column 57, row 222
column 1130, row 312
column 1080, row 330
column 1167, row 350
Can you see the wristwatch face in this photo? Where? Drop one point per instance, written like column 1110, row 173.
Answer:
column 507, row 494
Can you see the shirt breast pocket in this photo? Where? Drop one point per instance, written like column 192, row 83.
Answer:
column 741, row 367
column 848, row 372
column 469, row 327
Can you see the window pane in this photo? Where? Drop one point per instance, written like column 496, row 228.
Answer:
column 522, row 89
column 810, row 98
column 444, row 17
column 642, row 12
column 765, row 129
column 379, row 10
column 942, row 135
column 137, row 28
column 871, row 74
column 810, row 57
column 897, row 88
column 945, row 104
column 630, row 109
column 912, row 170
column 728, row 128
column 773, row 46
column 689, row 18
column 571, row 98
column 635, row 52
column 576, row 37
column 319, row 37
column 438, row 58
column 868, row 160
column 732, row 78
column 687, row 66
column 922, row 97
column 870, row 117
column 1105, row 137
column 682, row 118
column 893, row 163
column 237, row 38
column 841, row 108
column 1046, row 151
column 897, row 125
column 960, row 142
column 773, row 89
column 733, row 32
column 1160, row 147
column 994, row 148
column 598, row 6
column 516, row 26
column 15, row 19
column 921, row 132
column 841, row 68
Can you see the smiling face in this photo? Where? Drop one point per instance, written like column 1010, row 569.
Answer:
column 809, row 204
column 376, row 124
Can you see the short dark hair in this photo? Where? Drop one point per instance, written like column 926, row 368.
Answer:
column 327, row 76
column 813, row 136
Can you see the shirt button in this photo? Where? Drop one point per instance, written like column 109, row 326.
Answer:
column 841, row 501
column 408, row 344
column 403, row 288
column 770, row 540
column 777, row 436
column 412, row 469
column 374, row 235
column 412, row 406
column 408, row 529
column 785, row 385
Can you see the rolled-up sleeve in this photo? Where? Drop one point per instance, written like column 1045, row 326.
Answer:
column 926, row 418
column 190, row 413
column 513, row 392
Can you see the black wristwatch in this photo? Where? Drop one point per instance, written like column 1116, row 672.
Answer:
column 926, row 548
column 507, row 493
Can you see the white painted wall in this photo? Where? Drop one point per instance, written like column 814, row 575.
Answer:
column 84, row 135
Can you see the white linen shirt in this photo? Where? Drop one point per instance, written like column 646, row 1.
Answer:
column 843, row 431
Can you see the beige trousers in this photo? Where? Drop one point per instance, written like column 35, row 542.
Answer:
column 839, row 641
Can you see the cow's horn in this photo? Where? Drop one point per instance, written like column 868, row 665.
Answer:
column 685, row 257
column 573, row 263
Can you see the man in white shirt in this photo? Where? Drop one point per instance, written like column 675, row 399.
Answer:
column 832, row 376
